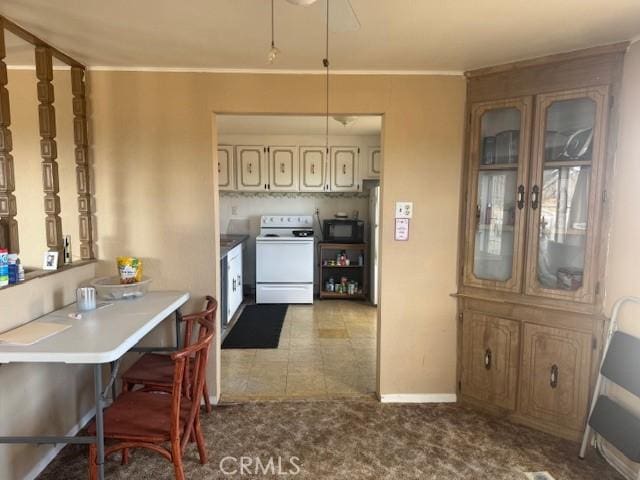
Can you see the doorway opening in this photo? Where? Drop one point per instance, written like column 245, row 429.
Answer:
column 298, row 219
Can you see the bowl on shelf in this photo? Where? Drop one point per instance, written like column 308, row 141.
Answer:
column 110, row 288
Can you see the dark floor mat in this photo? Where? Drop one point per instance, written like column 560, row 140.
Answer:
column 259, row 326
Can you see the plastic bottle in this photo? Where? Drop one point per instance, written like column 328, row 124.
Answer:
column 4, row 267
column 13, row 268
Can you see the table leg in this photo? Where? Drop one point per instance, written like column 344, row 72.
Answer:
column 178, row 322
column 97, row 380
column 113, row 383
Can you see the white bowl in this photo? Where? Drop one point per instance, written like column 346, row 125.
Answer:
column 110, row 288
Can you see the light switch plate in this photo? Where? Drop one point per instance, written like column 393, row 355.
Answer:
column 404, row 209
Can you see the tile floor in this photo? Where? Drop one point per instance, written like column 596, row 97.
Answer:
column 326, row 349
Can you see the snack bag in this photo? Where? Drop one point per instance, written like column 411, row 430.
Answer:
column 130, row 269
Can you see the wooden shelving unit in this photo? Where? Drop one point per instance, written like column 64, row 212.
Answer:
column 353, row 272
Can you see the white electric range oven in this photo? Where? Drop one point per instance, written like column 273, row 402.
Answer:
column 284, row 259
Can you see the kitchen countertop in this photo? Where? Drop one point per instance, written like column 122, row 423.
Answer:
column 229, row 242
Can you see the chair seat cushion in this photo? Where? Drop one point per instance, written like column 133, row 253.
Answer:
column 151, row 369
column 141, row 416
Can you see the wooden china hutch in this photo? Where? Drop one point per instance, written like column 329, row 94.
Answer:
column 539, row 146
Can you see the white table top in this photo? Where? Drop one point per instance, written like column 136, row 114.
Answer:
column 100, row 336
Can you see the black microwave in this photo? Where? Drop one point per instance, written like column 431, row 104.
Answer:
column 343, row 231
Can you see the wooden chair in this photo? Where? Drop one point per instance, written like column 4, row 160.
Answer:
column 156, row 370
column 146, row 418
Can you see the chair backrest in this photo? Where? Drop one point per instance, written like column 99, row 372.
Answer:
column 208, row 313
column 198, row 353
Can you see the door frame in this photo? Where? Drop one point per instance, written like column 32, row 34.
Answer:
column 215, row 382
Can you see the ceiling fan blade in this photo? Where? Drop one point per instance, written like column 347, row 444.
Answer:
column 342, row 16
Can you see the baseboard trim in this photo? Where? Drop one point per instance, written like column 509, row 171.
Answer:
column 39, row 467
column 419, row 398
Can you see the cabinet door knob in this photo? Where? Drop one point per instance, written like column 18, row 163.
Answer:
column 553, row 376
column 487, row 359
column 520, row 197
column 535, row 192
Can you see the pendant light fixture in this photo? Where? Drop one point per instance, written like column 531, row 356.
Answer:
column 274, row 51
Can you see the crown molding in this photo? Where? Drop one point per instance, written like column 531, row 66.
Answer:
column 270, row 71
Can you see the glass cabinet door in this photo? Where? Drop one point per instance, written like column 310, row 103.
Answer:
column 567, row 158
column 497, row 171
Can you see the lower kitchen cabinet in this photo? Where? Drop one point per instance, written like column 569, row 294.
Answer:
column 491, row 347
column 234, row 280
column 555, row 376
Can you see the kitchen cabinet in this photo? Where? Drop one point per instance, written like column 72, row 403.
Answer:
column 345, row 169
column 491, row 347
column 226, row 172
column 373, row 164
column 259, row 168
column 283, row 169
column 252, row 171
column 555, row 376
column 538, row 147
column 234, row 280
column 314, row 169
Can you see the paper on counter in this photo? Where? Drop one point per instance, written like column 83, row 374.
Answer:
column 31, row 333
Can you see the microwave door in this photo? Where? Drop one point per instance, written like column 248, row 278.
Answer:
column 342, row 231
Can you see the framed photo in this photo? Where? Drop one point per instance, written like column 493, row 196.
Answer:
column 50, row 261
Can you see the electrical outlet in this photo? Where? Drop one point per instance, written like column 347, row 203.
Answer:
column 404, row 209
column 317, row 211
column 234, row 210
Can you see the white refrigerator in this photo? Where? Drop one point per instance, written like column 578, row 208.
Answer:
column 374, row 241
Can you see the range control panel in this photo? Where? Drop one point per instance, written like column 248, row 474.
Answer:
column 286, row 221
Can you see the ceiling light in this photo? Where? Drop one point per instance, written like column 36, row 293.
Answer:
column 345, row 120
column 274, row 51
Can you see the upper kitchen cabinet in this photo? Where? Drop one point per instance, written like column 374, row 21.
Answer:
column 497, row 182
column 283, row 169
column 252, row 171
column 345, row 169
column 372, row 164
column 566, row 196
column 226, row 173
column 314, row 169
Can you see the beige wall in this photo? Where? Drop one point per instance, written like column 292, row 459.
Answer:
column 623, row 263
column 154, row 174
column 155, row 197
column 37, row 399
